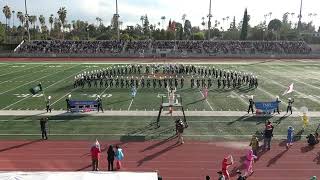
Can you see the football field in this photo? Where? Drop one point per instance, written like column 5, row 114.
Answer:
column 57, row 81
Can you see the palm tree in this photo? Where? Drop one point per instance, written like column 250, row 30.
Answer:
column 42, row 20
column 203, row 23
column 13, row 12
column 142, row 19
column 184, row 18
column 21, row 18
column 163, row 18
column 33, row 20
column 7, row 13
column 99, row 21
column 51, row 21
column 62, row 13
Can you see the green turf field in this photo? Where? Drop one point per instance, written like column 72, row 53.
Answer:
column 143, row 128
column 57, row 80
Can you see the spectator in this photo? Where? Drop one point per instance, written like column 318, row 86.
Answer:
column 44, row 127
column 119, row 157
column 254, row 143
column 268, row 134
column 225, row 165
column 221, row 176
column 290, row 136
column 240, row 176
column 207, row 177
column 313, row 139
column 110, row 158
column 249, row 163
column 95, row 155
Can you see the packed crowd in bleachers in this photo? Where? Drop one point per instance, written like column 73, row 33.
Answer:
column 200, row 47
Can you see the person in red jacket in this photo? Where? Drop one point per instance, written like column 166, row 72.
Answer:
column 225, row 165
column 95, row 154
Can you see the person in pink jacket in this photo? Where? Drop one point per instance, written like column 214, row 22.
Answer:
column 249, row 163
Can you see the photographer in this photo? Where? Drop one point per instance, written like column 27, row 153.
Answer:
column 179, row 130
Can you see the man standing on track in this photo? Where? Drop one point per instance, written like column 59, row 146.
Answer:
column 44, row 127
column 95, row 154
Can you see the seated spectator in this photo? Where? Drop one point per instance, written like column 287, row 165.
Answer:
column 313, row 139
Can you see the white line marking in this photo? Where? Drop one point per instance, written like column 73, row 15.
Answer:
column 43, row 89
column 130, row 104
column 240, row 98
column 37, row 79
column 10, row 80
column 19, row 70
column 206, row 100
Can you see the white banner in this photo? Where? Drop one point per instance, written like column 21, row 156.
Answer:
column 78, row 175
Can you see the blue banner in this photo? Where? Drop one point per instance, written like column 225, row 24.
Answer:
column 266, row 106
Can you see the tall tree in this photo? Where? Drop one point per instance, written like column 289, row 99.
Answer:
column 163, row 18
column 33, row 20
column 51, row 21
column 21, row 18
column 13, row 12
column 146, row 26
column 42, row 20
column 275, row 26
column 7, row 13
column 245, row 25
column 62, row 13
column 187, row 29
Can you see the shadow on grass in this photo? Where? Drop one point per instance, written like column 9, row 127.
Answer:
column 20, row 145
column 258, row 120
column 194, row 102
column 120, row 101
column 298, row 135
column 277, row 122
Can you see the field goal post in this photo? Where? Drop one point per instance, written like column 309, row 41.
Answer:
column 177, row 105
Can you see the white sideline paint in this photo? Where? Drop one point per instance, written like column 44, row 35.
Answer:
column 37, row 80
column 130, row 104
column 149, row 113
column 240, row 98
column 206, row 100
column 98, row 175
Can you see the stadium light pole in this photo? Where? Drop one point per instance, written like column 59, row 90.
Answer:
column 209, row 21
column 300, row 16
column 27, row 19
column 117, row 15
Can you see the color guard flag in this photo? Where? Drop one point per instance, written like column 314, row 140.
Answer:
column 289, row 90
column 36, row 89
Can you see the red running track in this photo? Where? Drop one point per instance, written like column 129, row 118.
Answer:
column 192, row 160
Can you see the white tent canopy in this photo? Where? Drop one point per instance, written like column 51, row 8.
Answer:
column 78, row 175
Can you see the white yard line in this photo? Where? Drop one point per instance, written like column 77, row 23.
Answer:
column 130, row 104
column 37, row 79
column 206, row 101
column 20, row 77
column 240, row 98
column 64, row 96
column 43, row 89
column 19, row 70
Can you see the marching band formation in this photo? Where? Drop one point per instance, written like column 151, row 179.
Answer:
column 164, row 76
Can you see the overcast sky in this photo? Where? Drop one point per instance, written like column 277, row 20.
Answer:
column 131, row 10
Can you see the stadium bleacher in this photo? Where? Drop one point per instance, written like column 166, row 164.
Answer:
column 195, row 47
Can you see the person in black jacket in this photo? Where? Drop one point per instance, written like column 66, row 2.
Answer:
column 268, row 134
column 44, row 127
column 111, row 155
column 251, row 103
